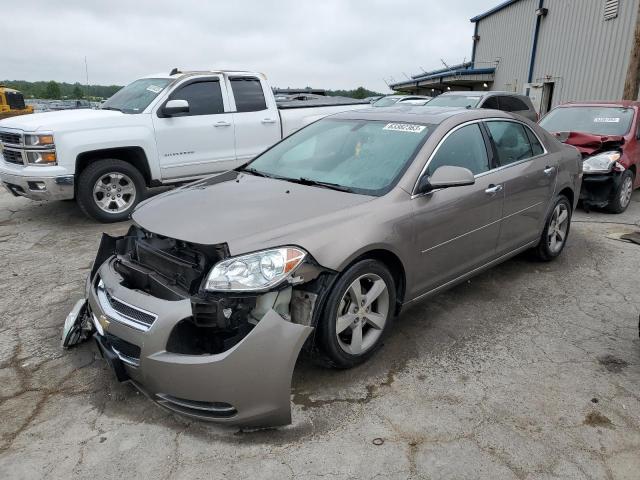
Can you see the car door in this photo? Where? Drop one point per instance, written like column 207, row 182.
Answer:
column 257, row 123
column 457, row 228
column 199, row 141
column 528, row 174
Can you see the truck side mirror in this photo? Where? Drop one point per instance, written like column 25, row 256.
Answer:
column 174, row 107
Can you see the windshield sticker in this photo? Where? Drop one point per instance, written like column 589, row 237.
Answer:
column 606, row 120
column 404, row 127
column 154, row 88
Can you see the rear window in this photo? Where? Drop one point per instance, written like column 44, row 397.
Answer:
column 594, row 120
column 462, row 101
column 512, row 104
column 248, row 94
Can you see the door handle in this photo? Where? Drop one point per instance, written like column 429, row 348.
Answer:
column 549, row 170
column 221, row 124
column 493, row 189
column 268, row 120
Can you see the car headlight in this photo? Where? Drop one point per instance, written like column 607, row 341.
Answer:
column 254, row 271
column 601, row 163
column 43, row 157
column 39, row 140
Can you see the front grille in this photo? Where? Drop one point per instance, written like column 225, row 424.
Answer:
column 130, row 312
column 129, row 350
column 9, row 137
column 13, row 156
column 196, row 408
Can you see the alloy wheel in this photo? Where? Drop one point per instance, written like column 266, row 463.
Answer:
column 114, row 192
column 362, row 314
column 558, row 227
column 625, row 191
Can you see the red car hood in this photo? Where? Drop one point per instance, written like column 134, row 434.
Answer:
column 589, row 143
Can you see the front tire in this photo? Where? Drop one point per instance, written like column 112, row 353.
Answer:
column 622, row 197
column 108, row 190
column 358, row 314
column 556, row 230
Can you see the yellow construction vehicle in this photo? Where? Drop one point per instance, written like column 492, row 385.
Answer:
column 12, row 103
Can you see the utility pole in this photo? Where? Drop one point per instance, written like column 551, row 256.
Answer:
column 86, row 71
column 632, row 82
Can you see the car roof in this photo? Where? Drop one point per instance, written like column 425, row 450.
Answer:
column 596, row 103
column 419, row 114
column 477, row 93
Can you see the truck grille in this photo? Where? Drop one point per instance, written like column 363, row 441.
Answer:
column 9, row 137
column 13, row 156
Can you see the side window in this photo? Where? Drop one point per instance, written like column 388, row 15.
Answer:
column 492, row 103
column 463, row 148
column 511, row 141
column 205, row 98
column 248, row 94
column 512, row 104
column 536, row 148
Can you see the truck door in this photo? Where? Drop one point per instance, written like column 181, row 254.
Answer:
column 200, row 141
column 256, row 118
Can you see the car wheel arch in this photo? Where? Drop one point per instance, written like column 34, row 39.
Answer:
column 133, row 155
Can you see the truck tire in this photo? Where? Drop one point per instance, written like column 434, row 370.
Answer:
column 622, row 196
column 108, row 190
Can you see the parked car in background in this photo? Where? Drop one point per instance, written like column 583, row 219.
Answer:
column 162, row 129
column 505, row 101
column 390, row 100
column 607, row 135
column 373, row 99
column 206, row 302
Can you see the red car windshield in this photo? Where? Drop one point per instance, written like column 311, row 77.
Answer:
column 593, row 120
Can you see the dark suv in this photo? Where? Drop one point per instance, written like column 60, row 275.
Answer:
column 506, row 101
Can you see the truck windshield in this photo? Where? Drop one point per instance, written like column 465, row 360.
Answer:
column 136, row 96
column 359, row 156
column 594, row 120
column 462, row 101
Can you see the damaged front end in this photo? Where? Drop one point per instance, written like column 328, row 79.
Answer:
column 196, row 345
column 603, row 172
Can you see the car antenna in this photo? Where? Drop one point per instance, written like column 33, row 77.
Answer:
column 175, row 71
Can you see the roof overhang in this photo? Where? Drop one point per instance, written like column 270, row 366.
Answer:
column 462, row 77
column 495, row 9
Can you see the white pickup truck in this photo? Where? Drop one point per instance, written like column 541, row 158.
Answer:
column 161, row 129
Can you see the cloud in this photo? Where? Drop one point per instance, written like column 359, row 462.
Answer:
column 323, row 44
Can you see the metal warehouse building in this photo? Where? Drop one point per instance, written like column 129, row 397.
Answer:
column 552, row 50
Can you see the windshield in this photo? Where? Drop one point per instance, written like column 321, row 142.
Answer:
column 360, row 156
column 594, row 120
column 385, row 102
column 463, row 101
column 136, row 96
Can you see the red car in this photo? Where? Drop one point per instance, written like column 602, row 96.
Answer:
column 607, row 135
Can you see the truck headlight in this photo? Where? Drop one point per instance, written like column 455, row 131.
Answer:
column 254, row 271
column 43, row 157
column 39, row 140
column 600, row 163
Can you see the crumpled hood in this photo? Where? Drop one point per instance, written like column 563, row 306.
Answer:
column 60, row 120
column 247, row 212
column 588, row 143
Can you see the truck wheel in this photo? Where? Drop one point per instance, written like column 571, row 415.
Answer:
column 555, row 232
column 108, row 190
column 622, row 197
column 357, row 315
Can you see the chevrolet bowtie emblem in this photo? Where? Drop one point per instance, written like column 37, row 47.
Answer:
column 104, row 322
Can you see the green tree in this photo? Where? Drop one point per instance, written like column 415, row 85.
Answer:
column 52, row 90
column 77, row 91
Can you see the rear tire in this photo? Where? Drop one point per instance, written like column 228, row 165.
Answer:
column 108, row 190
column 555, row 232
column 357, row 315
column 622, row 197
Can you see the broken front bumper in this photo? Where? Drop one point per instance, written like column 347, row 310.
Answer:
column 598, row 190
column 248, row 384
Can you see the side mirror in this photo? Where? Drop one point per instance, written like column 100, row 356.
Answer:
column 174, row 107
column 445, row 176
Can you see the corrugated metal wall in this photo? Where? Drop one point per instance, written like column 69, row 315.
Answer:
column 586, row 55
column 506, row 36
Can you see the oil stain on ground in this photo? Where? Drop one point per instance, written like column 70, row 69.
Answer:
column 595, row 419
column 612, row 364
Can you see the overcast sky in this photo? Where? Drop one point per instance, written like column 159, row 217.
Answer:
column 296, row 43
